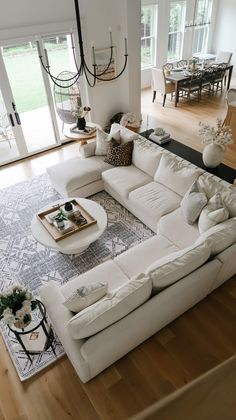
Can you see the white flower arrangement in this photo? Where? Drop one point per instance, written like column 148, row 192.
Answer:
column 16, row 305
column 81, row 112
column 131, row 120
column 220, row 135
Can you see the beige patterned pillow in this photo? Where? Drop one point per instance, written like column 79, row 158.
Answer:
column 119, row 154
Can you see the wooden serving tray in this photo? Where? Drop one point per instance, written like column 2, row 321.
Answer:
column 54, row 232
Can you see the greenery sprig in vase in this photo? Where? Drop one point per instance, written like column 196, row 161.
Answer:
column 16, row 305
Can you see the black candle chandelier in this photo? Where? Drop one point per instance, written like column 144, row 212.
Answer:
column 91, row 75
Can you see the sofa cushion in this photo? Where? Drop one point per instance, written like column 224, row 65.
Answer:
column 107, row 272
column 221, row 235
column 102, row 143
column 213, row 213
column 124, row 135
column 72, row 174
column 154, row 199
column 229, row 200
column 110, row 309
column 167, row 270
column 193, row 203
column 125, row 179
column 211, row 184
column 146, row 158
column 138, row 258
column 175, row 175
column 88, row 149
column 175, row 228
column 85, row 296
column 119, row 154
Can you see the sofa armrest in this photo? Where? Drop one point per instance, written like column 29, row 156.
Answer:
column 88, row 149
column 59, row 315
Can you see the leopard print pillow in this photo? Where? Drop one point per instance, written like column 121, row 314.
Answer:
column 119, row 154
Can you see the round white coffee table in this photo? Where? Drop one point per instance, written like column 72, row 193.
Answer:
column 78, row 242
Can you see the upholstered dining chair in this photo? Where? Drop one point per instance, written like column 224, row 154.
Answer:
column 161, row 85
column 231, row 97
column 223, row 57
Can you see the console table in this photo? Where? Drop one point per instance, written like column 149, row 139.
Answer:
column 195, row 157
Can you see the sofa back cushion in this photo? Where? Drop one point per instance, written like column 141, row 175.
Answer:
column 175, row 174
column 173, row 267
column 122, row 134
column 145, row 158
column 193, row 203
column 221, row 235
column 110, row 309
column 84, row 296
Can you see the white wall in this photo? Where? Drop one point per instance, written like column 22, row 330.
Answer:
column 225, row 33
column 31, row 18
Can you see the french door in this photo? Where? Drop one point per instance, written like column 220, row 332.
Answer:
column 28, row 121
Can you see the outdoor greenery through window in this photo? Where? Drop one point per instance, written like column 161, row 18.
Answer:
column 176, row 30
column 202, row 18
column 148, row 35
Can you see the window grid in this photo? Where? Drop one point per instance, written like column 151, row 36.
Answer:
column 176, row 30
column 148, row 35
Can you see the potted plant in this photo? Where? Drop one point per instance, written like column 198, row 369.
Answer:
column 60, row 219
column 216, row 140
column 16, row 305
column 81, row 113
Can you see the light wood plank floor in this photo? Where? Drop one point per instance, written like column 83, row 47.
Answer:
column 191, row 345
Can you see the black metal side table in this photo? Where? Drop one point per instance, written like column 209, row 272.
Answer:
column 40, row 328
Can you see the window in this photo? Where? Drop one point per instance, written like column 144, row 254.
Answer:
column 176, row 30
column 148, row 35
column 202, row 20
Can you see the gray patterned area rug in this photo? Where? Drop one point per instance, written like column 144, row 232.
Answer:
column 23, row 260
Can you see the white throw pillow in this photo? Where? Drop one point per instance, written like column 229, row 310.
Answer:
column 175, row 175
column 213, row 213
column 110, row 309
column 115, row 132
column 173, row 267
column 210, row 185
column 193, row 203
column 222, row 236
column 229, row 199
column 122, row 134
column 85, row 296
column 102, row 143
column 88, row 149
column 146, row 159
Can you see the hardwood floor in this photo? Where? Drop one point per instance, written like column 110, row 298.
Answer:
column 191, row 345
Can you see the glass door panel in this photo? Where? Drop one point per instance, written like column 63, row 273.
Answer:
column 61, row 58
column 8, row 147
column 30, row 99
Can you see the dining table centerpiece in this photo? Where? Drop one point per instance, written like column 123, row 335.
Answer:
column 16, row 305
column 216, row 140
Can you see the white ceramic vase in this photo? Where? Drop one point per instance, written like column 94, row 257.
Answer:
column 212, row 155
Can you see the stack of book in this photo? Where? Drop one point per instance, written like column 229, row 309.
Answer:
column 160, row 139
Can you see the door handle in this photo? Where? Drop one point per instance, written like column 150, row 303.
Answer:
column 12, row 121
column 17, row 117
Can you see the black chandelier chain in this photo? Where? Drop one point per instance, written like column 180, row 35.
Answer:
column 83, row 68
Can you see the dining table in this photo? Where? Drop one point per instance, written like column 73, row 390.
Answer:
column 178, row 76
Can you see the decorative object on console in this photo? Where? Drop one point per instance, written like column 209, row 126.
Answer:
column 16, row 305
column 119, row 154
column 216, row 140
column 85, row 296
column 159, row 136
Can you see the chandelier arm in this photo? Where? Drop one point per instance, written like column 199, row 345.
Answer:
column 91, row 84
column 118, row 75
column 57, row 78
column 61, row 86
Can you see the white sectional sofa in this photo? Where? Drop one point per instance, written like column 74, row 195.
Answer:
column 150, row 191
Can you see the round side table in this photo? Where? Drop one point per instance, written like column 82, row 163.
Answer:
column 82, row 138
column 39, row 324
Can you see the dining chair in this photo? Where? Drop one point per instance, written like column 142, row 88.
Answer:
column 218, row 77
column 223, row 57
column 231, row 97
column 161, row 85
column 194, row 85
column 208, row 77
column 167, row 67
column 181, row 63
